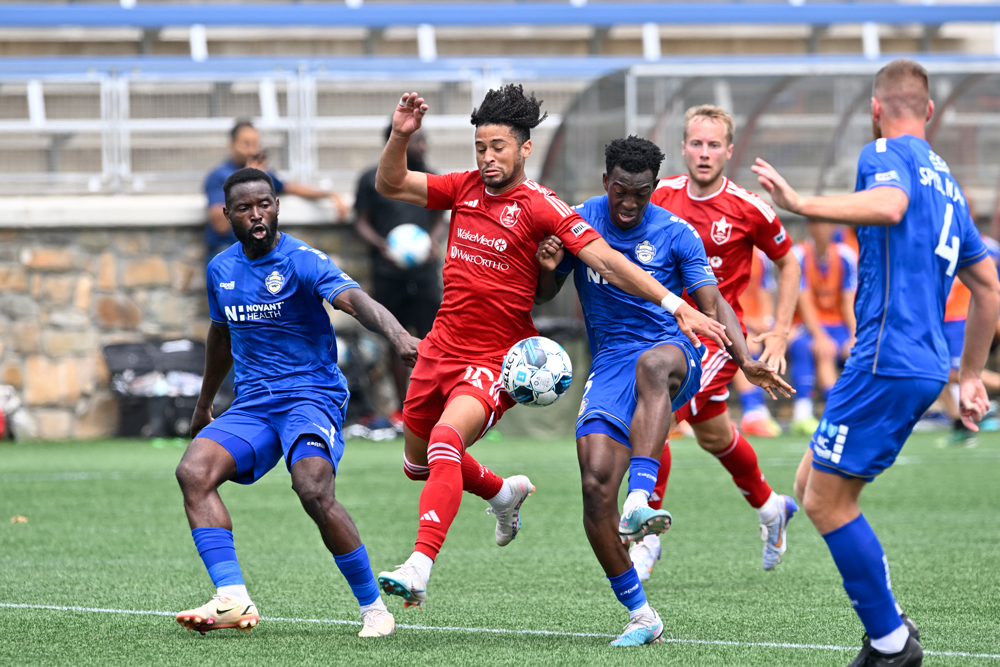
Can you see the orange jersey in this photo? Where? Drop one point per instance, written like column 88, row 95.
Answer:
column 828, row 279
column 956, row 308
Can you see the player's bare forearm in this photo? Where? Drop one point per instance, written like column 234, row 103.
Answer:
column 365, row 230
column 373, row 316
column 218, row 361
column 393, row 179
column 711, row 302
column 789, row 276
column 984, row 306
column 549, row 254
column 810, row 318
column 881, row 206
column 548, row 286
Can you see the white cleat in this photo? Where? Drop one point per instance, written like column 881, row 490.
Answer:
column 774, row 534
column 643, row 629
column 407, row 584
column 644, row 558
column 377, row 623
column 222, row 611
column 509, row 516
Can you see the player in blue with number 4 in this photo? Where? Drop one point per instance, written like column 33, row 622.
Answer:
column 265, row 298
column 643, row 365
column 914, row 234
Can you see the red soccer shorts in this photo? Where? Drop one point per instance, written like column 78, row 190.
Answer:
column 717, row 371
column 438, row 378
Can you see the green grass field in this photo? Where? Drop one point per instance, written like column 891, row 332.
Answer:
column 107, row 532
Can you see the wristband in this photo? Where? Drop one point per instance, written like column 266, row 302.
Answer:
column 671, row 302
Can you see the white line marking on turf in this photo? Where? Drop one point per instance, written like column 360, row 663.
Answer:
column 502, row 631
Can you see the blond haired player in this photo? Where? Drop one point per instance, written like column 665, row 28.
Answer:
column 731, row 222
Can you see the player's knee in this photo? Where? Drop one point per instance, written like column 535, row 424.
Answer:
column 598, row 496
column 191, row 475
column 714, row 442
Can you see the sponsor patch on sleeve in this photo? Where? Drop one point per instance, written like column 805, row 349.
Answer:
column 780, row 237
column 884, row 176
column 344, row 276
column 579, row 228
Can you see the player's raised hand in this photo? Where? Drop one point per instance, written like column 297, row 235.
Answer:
column 693, row 322
column 767, row 379
column 973, row 402
column 781, row 192
column 409, row 114
column 406, row 347
column 550, row 252
column 773, row 354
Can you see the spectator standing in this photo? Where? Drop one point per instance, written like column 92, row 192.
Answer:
column 245, row 151
column 413, row 296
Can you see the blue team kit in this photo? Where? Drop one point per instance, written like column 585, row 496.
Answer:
column 620, row 326
column 900, row 362
column 291, row 396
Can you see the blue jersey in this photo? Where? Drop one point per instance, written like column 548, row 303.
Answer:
column 905, row 270
column 281, row 335
column 668, row 248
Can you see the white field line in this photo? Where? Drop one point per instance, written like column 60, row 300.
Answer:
column 504, row 631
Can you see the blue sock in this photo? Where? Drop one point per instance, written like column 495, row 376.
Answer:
column 642, row 474
column 803, row 366
column 862, row 564
column 358, row 572
column 215, row 546
column 751, row 399
column 628, row 589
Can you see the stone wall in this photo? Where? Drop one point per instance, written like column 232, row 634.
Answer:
column 65, row 293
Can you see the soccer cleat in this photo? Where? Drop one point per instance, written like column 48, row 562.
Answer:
column 866, row 644
column 377, row 623
column 644, row 558
column 222, row 611
column 774, row 533
column 642, row 521
column 760, row 424
column 805, row 426
column 407, row 584
column 509, row 516
column 643, row 629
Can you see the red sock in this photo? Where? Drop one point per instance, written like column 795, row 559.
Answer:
column 740, row 460
column 442, row 494
column 479, row 480
column 660, row 490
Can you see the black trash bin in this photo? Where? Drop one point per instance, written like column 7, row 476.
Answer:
column 157, row 385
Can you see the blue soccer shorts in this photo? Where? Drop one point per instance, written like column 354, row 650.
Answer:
column 867, row 420
column 609, row 399
column 263, row 427
column 954, row 333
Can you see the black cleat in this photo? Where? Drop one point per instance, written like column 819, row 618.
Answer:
column 863, row 658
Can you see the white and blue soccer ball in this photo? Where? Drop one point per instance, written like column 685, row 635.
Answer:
column 536, row 372
column 409, row 246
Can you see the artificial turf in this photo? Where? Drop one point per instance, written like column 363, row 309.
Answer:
column 106, row 530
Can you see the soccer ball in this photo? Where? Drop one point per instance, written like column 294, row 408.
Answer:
column 536, row 372
column 409, row 246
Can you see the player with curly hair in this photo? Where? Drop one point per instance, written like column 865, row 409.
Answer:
column 498, row 218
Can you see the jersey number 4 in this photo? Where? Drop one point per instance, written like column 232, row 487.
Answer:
column 948, row 251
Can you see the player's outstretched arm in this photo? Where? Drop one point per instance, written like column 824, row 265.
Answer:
column 984, row 307
column 393, row 179
column 776, row 340
column 626, row 276
column 883, row 206
column 218, row 361
column 374, row 317
column 712, row 303
column 550, row 253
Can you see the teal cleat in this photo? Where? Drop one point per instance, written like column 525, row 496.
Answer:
column 407, row 584
column 641, row 630
column 642, row 521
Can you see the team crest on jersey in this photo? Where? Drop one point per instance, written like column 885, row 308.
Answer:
column 508, row 218
column 721, row 230
column 645, row 252
column 273, row 282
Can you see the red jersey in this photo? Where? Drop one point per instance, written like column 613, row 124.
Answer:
column 730, row 222
column 491, row 273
